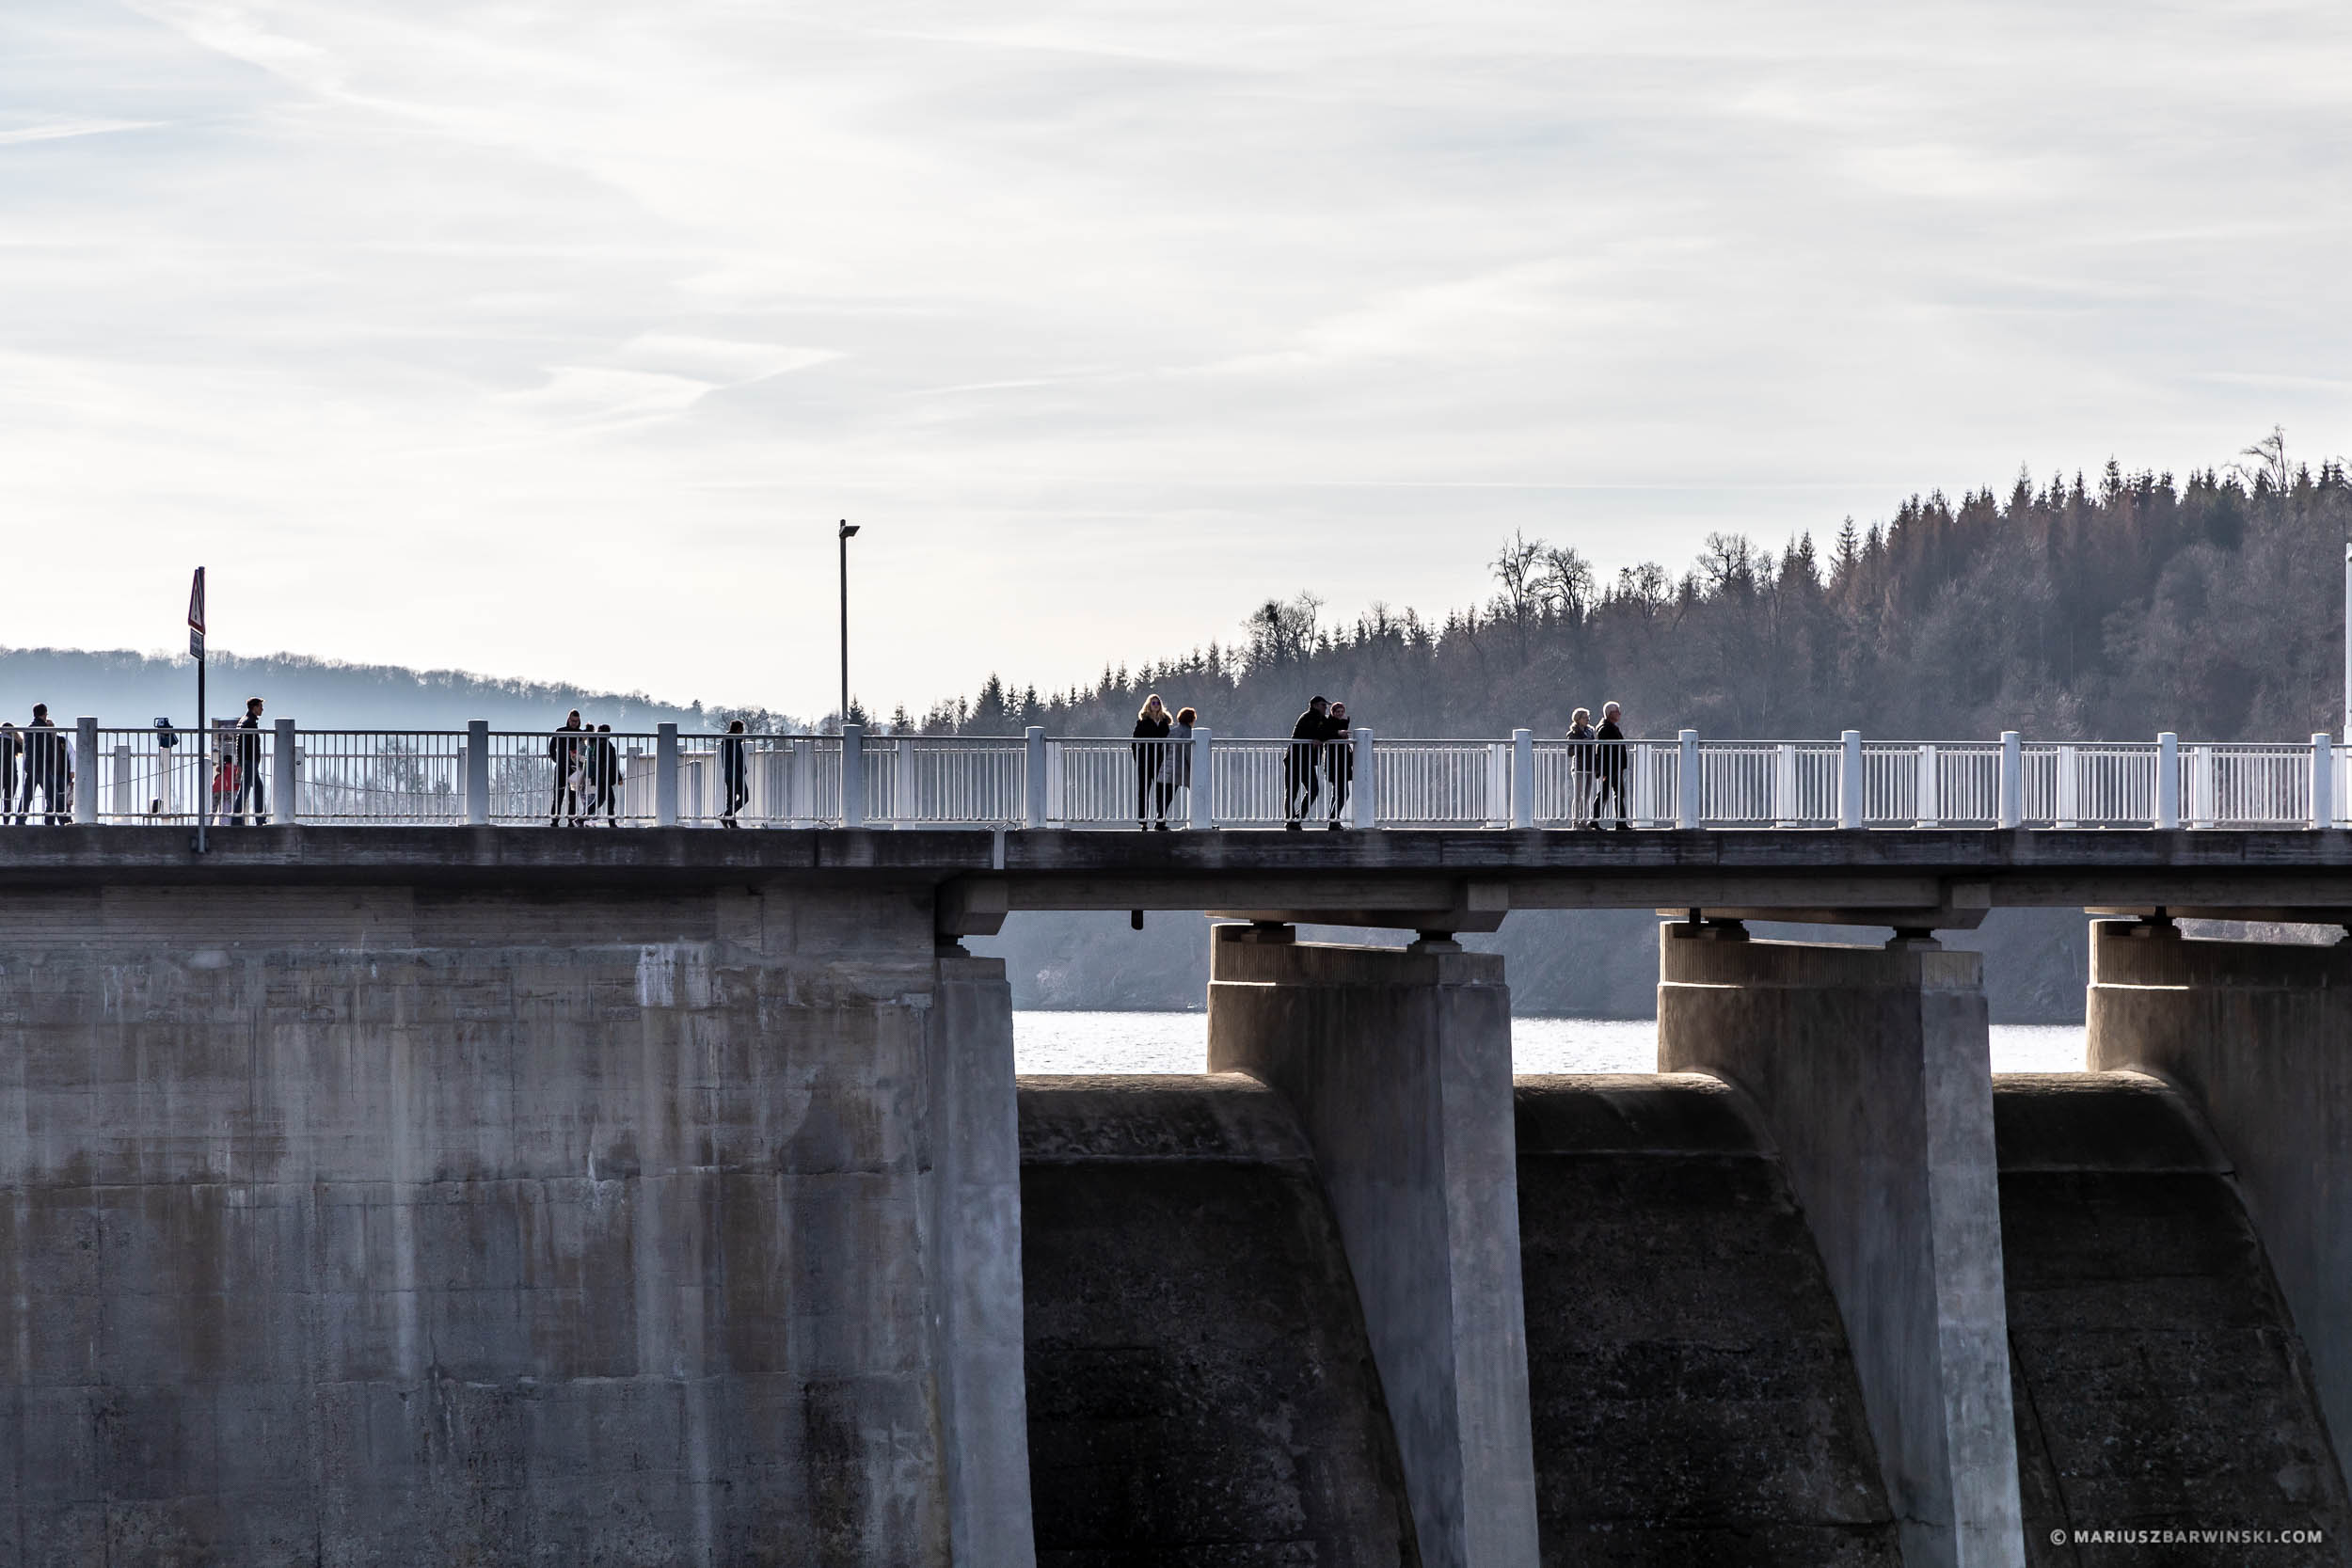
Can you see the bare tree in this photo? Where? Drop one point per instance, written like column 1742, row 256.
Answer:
column 2269, row 461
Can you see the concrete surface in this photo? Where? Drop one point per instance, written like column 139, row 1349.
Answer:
column 1398, row 1066
column 396, row 1225
column 2259, row 1036
column 1870, row 1068
column 1934, row 876
column 1694, row 1398
column 2160, row 1384
column 1200, row 1389
column 975, row 1140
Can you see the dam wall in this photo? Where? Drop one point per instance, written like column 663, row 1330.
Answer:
column 390, row 1225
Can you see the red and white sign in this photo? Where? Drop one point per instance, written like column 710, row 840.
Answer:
column 196, row 602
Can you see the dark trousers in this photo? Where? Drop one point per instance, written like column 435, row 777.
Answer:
column 51, row 787
column 250, row 790
column 1611, row 784
column 564, row 802
column 738, row 791
column 1301, row 779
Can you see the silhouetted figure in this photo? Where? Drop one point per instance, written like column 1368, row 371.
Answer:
column 734, row 773
column 604, row 776
column 248, row 755
column 1176, row 771
column 1151, row 747
column 48, row 772
column 11, row 749
column 1301, row 779
column 1612, row 760
column 1338, row 763
column 565, row 752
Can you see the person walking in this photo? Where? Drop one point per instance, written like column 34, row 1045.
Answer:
column 48, row 772
column 1610, row 740
column 564, row 751
column 1176, row 767
column 1580, row 775
column 1338, row 763
column 1301, row 778
column 249, row 786
column 1151, row 747
column 11, row 748
column 734, row 773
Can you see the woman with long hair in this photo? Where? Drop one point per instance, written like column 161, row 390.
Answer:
column 1150, row 743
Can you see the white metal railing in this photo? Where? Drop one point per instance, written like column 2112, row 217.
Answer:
column 280, row 772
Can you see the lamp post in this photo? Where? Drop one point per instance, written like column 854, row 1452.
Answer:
column 848, row 530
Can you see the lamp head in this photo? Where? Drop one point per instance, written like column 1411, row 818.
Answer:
column 848, row 529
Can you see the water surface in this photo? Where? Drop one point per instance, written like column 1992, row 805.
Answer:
column 1056, row 1042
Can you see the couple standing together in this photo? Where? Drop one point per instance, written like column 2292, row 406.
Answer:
column 1601, row 758
column 1163, row 760
column 1319, row 754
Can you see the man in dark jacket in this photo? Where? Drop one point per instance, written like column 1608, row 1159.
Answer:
column 565, row 750
column 11, row 747
column 249, row 786
column 48, row 771
column 1301, row 778
column 1612, row 763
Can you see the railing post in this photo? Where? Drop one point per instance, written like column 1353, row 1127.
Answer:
column 853, row 775
column 126, row 803
column 1204, row 781
column 1783, row 802
column 1033, row 778
column 1850, row 780
column 477, row 757
column 2069, row 809
column 85, row 771
column 1367, row 782
column 1522, row 778
column 1931, row 810
column 665, row 775
column 2167, row 779
column 1686, row 800
column 2323, row 782
column 281, row 769
column 2013, row 804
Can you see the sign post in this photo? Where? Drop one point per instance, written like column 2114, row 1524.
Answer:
column 204, row 750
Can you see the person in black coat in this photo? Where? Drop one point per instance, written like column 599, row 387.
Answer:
column 1151, row 726
column 1301, row 778
column 564, row 750
column 249, row 786
column 48, row 771
column 11, row 746
column 1612, row 762
column 604, row 775
column 734, row 771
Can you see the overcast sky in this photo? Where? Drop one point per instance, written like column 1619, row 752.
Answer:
column 550, row 339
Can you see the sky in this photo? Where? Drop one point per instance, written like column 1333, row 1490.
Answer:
column 551, row 339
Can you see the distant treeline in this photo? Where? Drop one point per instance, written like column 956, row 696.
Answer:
column 130, row 689
column 2112, row 609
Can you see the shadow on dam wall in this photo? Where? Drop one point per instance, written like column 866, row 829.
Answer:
column 1200, row 1388
column 2158, row 1379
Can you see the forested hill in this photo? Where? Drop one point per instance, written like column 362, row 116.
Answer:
column 2112, row 609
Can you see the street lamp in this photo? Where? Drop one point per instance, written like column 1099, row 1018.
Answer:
column 848, row 529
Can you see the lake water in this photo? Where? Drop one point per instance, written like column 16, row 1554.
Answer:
column 1179, row 1042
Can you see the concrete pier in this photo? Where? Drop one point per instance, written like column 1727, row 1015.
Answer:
column 2259, row 1036
column 1398, row 1066
column 401, row 1226
column 1870, row 1068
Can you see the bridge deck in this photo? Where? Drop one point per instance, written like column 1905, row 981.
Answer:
column 1390, row 877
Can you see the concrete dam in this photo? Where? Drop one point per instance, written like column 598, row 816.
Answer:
column 487, row 1196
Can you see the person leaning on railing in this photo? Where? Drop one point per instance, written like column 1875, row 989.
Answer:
column 1151, row 747
column 1338, row 763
